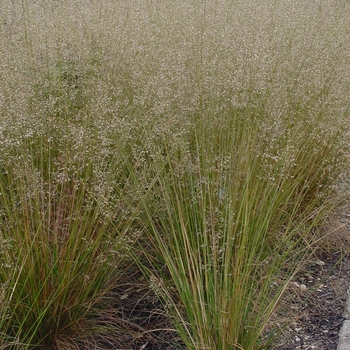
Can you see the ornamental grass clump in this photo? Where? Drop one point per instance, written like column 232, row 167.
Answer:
column 60, row 255
column 220, row 125
column 226, row 226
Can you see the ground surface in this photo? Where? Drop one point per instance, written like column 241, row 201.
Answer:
column 316, row 305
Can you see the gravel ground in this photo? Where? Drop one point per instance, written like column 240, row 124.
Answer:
column 316, row 304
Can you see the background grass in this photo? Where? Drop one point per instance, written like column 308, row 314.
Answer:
column 210, row 134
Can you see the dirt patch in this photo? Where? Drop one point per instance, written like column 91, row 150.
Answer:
column 316, row 303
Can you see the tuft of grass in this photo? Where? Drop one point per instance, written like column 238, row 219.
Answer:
column 223, row 231
column 61, row 255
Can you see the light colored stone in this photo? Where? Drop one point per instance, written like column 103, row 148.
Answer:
column 347, row 307
column 344, row 336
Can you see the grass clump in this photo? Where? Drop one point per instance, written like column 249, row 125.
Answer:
column 61, row 254
column 224, row 228
column 211, row 132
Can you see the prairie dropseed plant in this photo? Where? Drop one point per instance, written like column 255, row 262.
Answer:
column 231, row 117
column 62, row 254
column 227, row 227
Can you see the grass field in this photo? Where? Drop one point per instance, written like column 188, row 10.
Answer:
column 198, row 142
